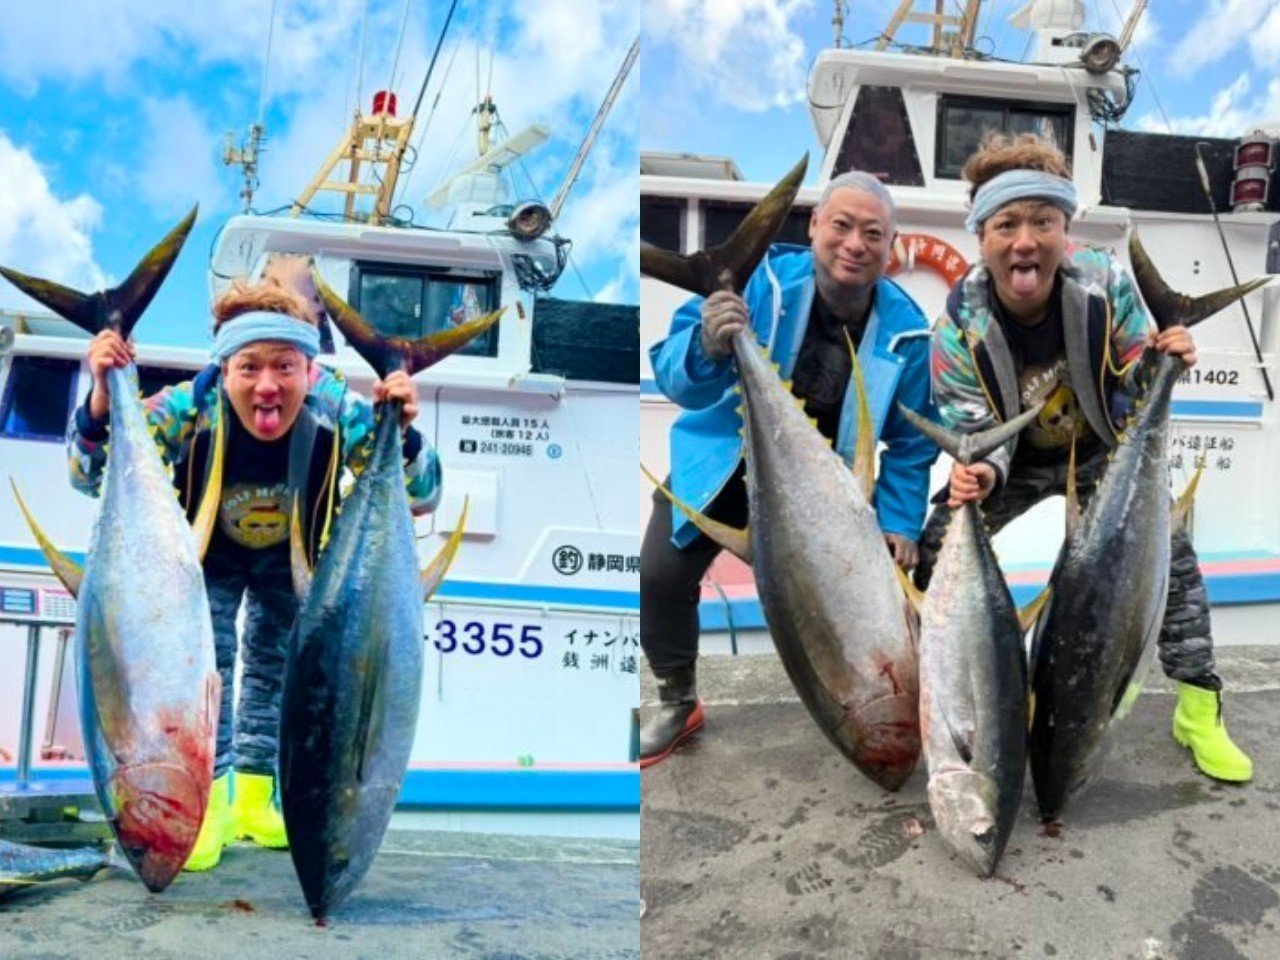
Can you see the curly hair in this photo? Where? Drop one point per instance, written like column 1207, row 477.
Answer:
column 999, row 153
column 269, row 295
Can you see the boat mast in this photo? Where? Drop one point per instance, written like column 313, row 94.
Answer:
column 944, row 43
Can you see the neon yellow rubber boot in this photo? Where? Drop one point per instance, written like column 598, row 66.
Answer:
column 1198, row 726
column 256, row 817
column 215, row 830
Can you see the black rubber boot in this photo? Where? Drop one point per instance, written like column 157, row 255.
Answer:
column 678, row 717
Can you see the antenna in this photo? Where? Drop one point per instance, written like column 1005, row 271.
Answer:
column 246, row 157
column 1131, row 24
column 837, row 21
column 609, row 98
column 951, row 44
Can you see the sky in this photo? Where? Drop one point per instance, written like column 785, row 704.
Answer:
column 114, row 114
column 727, row 77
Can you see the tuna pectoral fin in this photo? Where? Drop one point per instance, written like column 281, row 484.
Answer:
column 1028, row 615
column 386, row 354
column 703, row 272
column 117, row 309
column 433, row 575
column 864, row 448
column 66, row 569
column 207, row 514
column 737, row 542
column 1182, row 506
column 1170, row 308
column 299, row 565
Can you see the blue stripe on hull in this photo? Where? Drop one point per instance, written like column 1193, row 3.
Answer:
column 542, row 790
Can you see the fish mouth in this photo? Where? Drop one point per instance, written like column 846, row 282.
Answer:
column 963, row 805
column 159, row 808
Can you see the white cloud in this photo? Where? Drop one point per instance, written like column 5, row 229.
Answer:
column 1222, row 26
column 43, row 234
column 746, row 52
column 1264, row 42
column 181, row 165
column 1231, row 114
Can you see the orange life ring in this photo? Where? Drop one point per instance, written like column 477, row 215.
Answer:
column 924, row 250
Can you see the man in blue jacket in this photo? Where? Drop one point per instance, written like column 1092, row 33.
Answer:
column 800, row 304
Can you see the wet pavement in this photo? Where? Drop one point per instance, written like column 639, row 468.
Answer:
column 759, row 840
column 428, row 894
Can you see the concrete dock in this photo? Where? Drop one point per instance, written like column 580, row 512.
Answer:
column 759, row 840
column 427, row 895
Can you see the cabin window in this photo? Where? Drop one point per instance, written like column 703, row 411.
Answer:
column 879, row 139
column 151, row 380
column 409, row 302
column 721, row 217
column 38, row 398
column 964, row 121
column 662, row 222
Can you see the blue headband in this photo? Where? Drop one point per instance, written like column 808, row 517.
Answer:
column 236, row 334
column 1021, row 185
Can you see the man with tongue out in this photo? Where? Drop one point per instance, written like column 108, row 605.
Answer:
column 290, row 426
column 1003, row 344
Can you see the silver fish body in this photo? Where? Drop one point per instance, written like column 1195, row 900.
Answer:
column 826, row 582
column 148, row 680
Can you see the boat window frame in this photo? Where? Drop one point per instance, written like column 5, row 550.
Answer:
column 1007, row 106
column 11, row 385
column 151, row 369
column 909, row 168
column 489, row 280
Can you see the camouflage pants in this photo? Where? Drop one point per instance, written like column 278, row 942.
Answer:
column 265, row 586
column 1186, row 641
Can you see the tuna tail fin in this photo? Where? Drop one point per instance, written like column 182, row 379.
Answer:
column 969, row 448
column 1170, row 308
column 864, row 448
column 1182, row 506
column 387, row 354
column 737, row 542
column 67, row 570
column 117, row 309
column 704, row 272
column 434, row 572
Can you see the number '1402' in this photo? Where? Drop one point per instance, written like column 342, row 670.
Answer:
column 474, row 637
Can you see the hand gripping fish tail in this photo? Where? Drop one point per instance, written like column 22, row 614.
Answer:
column 705, row 272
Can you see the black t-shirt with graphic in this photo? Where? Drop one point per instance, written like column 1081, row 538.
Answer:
column 823, row 366
column 1040, row 359
column 253, row 513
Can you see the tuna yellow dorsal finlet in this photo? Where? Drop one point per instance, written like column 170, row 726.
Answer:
column 864, row 451
column 434, row 572
column 737, row 542
column 66, row 569
column 207, row 515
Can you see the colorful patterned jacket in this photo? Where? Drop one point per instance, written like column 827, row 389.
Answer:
column 975, row 383
column 183, row 420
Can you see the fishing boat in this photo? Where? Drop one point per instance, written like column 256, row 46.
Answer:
column 1206, row 210
column 532, row 642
